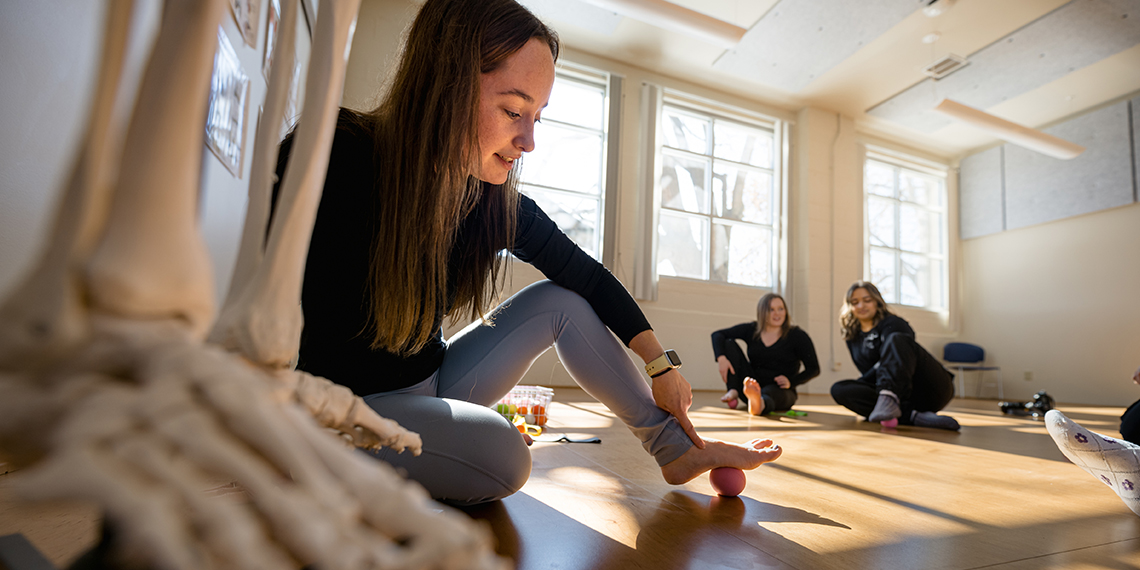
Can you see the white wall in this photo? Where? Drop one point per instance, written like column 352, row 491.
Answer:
column 49, row 57
column 1060, row 300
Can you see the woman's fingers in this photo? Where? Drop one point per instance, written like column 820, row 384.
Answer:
column 672, row 393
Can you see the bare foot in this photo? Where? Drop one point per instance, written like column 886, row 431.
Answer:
column 730, row 398
column 755, row 400
column 719, row 454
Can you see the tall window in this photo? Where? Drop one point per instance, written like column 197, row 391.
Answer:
column 718, row 205
column 906, row 233
column 565, row 173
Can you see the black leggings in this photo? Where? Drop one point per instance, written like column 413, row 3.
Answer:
column 776, row 399
column 905, row 368
column 1130, row 423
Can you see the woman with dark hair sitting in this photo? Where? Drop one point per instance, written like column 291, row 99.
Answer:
column 901, row 380
column 420, row 199
column 780, row 357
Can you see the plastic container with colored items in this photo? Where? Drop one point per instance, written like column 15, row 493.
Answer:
column 529, row 402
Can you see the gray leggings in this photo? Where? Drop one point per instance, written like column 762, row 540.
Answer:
column 471, row 453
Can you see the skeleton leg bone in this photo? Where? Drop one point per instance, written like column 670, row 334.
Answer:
column 152, row 262
column 262, row 171
column 45, row 314
column 265, row 323
column 263, row 320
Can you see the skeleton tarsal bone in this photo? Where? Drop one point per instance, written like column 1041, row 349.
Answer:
column 179, row 418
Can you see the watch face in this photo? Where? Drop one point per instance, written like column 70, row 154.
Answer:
column 671, row 356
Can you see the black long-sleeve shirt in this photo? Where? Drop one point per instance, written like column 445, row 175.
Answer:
column 866, row 347
column 335, row 341
column 783, row 358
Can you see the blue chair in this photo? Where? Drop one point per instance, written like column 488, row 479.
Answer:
column 964, row 357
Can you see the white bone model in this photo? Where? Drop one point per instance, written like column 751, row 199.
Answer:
column 108, row 391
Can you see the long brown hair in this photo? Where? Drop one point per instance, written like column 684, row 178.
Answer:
column 764, row 308
column 427, row 147
column 847, row 319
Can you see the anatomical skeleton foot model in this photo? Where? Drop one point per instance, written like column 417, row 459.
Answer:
column 108, row 394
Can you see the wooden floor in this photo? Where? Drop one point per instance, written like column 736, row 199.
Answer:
column 845, row 494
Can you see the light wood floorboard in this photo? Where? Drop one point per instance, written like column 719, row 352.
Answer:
column 845, row 495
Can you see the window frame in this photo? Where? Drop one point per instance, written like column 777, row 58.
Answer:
column 714, row 112
column 608, row 84
column 900, row 162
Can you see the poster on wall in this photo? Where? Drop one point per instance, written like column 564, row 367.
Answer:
column 246, row 14
column 271, row 36
column 229, row 93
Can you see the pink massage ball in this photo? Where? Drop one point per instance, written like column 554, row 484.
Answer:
column 891, row 423
column 727, row 481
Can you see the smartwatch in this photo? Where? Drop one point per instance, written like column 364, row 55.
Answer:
column 663, row 363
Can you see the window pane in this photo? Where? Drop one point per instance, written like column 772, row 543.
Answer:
column 881, row 221
column 741, row 194
column 918, row 189
column 564, row 158
column 685, row 131
column 742, row 144
column 682, row 246
column 883, row 273
column 683, row 184
column 742, row 254
column 915, row 229
column 576, row 103
column 937, row 297
column 576, row 217
column 879, row 179
column 914, row 280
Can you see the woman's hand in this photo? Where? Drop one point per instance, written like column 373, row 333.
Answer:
column 783, row 382
column 725, row 367
column 672, row 393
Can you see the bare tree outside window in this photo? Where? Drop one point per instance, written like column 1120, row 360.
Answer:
column 718, row 205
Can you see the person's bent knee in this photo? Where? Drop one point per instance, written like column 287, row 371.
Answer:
column 557, row 296
column 471, row 454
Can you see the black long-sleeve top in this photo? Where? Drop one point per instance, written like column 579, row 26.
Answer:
column 866, row 347
column 335, row 341
column 783, row 358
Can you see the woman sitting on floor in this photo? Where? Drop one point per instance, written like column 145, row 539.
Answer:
column 901, row 380
column 419, row 200
column 765, row 379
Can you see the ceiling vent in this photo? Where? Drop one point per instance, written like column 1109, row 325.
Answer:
column 945, row 66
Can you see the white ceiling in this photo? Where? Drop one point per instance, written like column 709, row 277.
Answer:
column 1034, row 62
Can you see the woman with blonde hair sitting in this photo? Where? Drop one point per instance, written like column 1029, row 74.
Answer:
column 901, row 380
column 765, row 379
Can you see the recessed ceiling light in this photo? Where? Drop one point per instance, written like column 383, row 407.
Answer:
column 931, row 38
